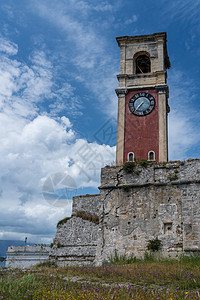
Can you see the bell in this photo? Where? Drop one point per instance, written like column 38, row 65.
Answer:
column 143, row 63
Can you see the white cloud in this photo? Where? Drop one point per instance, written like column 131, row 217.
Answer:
column 31, row 152
column 22, row 86
column 186, row 10
column 184, row 124
column 104, row 6
column 65, row 100
column 66, row 121
column 90, row 53
column 8, row 47
column 34, row 146
column 36, row 220
column 131, row 20
column 43, row 148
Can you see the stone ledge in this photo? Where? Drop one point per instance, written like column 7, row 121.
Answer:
column 78, row 245
column 170, row 173
column 174, row 182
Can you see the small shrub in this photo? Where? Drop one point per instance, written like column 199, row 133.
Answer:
column 154, row 245
column 2, row 258
column 126, row 188
column 59, row 245
column 129, row 167
column 143, row 162
column 172, row 176
column 137, row 172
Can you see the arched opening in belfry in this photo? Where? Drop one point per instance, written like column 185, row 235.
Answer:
column 131, row 156
column 151, row 155
column 142, row 64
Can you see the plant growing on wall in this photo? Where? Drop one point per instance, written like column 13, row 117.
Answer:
column 143, row 162
column 59, row 245
column 88, row 216
column 126, row 188
column 63, row 221
column 129, row 167
column 154, row 245
column 173, row 176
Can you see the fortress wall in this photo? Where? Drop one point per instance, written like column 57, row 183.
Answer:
column 88, row 203
column 153, row 173
column 161, row 200
column 76, row 240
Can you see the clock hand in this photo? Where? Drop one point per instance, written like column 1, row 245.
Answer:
column 139, row 105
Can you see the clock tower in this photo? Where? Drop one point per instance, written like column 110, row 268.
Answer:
column 142, row 98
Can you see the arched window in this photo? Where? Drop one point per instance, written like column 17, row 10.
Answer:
column 131, row 156
column 151, row 155
column 142, row 64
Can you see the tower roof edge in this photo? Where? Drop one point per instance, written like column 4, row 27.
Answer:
column 141, row 37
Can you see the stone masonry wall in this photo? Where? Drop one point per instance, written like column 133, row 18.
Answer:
column 161, row 200
column 75, row 242
column 88, row 203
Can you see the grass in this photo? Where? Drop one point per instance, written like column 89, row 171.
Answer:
column 170, row 279
column 63, row 221
column 81, row 214
column 119, row 259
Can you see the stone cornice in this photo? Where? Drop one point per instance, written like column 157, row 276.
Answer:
column 151, row 37
column 140, row 76
column 122, row 91
column 178, row 182
column 162, row 88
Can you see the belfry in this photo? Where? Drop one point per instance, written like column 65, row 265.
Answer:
column 142, row 99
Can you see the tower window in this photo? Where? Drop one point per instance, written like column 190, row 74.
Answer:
column 151, row 155
column 130, row 156
column 143, row 64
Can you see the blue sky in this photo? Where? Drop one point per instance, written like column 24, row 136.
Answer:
column 58, row 66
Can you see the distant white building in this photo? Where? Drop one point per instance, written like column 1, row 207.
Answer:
column 26, row 256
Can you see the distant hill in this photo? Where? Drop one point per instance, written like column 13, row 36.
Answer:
column 4, row 244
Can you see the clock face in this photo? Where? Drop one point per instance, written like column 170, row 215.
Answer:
column 142, row 104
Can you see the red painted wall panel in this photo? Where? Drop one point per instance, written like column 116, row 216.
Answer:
column 141, row 133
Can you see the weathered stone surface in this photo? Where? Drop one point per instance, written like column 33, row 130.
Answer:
column 76, row 232
column 161, row 200
column 76, row 241
column 87, row 203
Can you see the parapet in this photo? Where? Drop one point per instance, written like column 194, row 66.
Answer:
column 148, row 173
